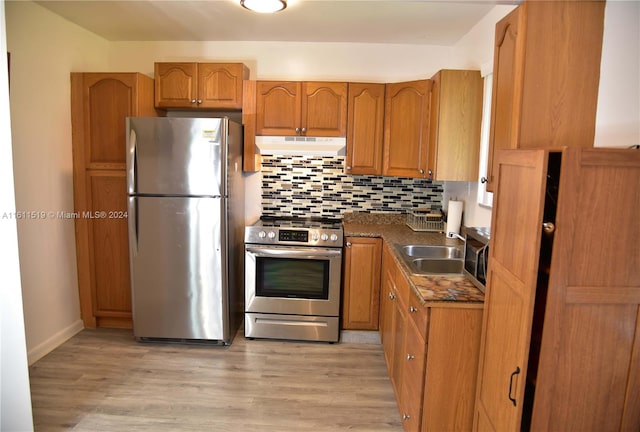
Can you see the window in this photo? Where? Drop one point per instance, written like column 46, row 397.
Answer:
column 485, row 198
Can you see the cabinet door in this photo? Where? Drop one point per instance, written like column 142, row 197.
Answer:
column 590, row 348
column 508, row 64
column 399, row 353
column 361, row 292
column 406, row 120
column 510, row 292
column 387, row 307
column 454, row 130
column 365, row 129
column 220, row 85
column 324, row 109
column 109, row 248
column 413, row 378
column 278, row 108
column 108, row 99
column 176, row 85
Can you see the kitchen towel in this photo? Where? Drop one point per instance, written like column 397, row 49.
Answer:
column 454, row 217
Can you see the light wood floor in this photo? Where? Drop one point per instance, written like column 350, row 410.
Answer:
column 103, row 380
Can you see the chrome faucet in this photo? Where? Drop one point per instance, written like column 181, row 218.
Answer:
column 456, row 235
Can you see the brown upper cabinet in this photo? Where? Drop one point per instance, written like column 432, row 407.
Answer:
column 365, row 126
column 546, row 73
column 406, row 129
column 301, row 108
column 199, row 85
column 454, row 128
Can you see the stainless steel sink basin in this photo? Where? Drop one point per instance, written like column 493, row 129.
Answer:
column 437, row 266
column 433, row 260
column 434, row 252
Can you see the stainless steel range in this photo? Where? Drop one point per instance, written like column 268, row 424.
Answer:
column 293, row 268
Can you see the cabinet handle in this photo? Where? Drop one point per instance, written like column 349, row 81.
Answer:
column 421, row 171
column 410, row 357
column 199, row 101
column 348, row 168
column 304, row 130
column 516, row 372
column 405, row 416
column 548, row 227
column 298, row 131
column 430, row 175
column 484, row 180
column 348, row 244
column 392, row 296
column 412, row 309
column 193, row 101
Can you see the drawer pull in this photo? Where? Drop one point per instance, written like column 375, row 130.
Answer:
column 410, row 357
column 413, row 309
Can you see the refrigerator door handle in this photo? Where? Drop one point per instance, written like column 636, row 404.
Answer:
column 133, row 225
column 132, row 161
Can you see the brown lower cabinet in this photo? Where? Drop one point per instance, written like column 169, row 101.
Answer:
column 100, row 103
column 560, row 346
column 361, row 293
column 431, row 354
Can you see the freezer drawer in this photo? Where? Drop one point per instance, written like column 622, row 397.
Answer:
column 178, row 268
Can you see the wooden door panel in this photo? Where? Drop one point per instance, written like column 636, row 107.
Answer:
column 109, row 244
column 109, row 100
column 507, row 88
column 277, row 108
column 324, row 109
column 511, row 285
column 220, row 85
column 406, row 128
column 365, row 129
column 361, row 295
column 175, row 85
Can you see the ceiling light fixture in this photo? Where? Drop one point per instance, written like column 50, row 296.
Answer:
column 264, row 6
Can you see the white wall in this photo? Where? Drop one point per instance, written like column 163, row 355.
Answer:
column 44, row 50
column 618, row 114
column 15, row 399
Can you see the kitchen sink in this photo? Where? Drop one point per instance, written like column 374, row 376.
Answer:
column 437, row 266
column 433, row 260
column 433, row 252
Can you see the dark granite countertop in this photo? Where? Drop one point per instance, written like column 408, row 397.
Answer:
column 445, row 291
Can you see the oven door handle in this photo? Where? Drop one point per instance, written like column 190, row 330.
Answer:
column 287, row 252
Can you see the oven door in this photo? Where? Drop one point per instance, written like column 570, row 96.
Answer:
column 292, row 280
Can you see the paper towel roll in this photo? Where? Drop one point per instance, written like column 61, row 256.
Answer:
column 454, row 217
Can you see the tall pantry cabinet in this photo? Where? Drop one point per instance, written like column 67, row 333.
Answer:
column 100, row 102
column 546, row 70
column 560, row 348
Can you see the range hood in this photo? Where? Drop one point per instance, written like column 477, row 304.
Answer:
column 301, row 145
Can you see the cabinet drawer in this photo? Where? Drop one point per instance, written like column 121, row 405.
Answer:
column 419, row 314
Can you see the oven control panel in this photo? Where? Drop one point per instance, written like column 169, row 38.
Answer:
column 301, row 237
column 293, row 236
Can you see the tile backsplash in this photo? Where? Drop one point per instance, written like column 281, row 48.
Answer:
column 316, row 186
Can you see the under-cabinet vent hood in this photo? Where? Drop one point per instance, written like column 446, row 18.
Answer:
column 301, row 145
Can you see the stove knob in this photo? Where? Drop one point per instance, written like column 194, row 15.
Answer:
column 262, row 234
column 315, row 236
column 334, row 237
column 324, row 237
column 271, row 235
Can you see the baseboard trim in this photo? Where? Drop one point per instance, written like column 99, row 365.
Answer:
column 360, row 336
column 41, row 350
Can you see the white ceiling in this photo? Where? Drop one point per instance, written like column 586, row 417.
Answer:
column 425, row 22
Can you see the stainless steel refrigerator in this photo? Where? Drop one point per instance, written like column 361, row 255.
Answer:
column 186, row 220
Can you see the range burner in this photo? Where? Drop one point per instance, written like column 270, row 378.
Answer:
column 295, row 230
